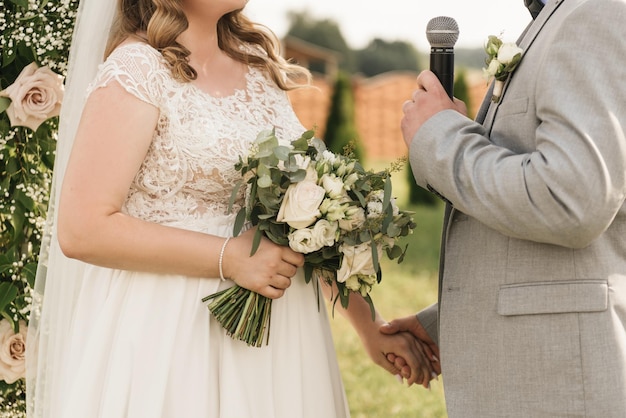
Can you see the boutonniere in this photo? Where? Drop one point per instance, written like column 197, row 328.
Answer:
column 502, row 58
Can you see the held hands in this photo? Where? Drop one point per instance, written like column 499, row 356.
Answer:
column 429, row 99
column 268, row 272
column 411, row 325
column 409, row 355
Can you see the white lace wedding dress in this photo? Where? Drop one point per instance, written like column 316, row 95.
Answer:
column 144, row 345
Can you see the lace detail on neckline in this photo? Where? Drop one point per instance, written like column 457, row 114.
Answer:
column 188, row 174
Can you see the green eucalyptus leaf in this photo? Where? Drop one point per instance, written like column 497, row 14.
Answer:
column 264, row 181
column 30, row 272
column 21, row 3
column 387, row 193
column 239, row 221
column 8, row 293
column 234, row 195
column 297, row 176
column 369, row 301
column 375, row 261
column 5, row 102
column 256, row 241
column 282, row 152
column 301, row 144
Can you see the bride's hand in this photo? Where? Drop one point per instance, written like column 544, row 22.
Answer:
column 417, row 368
column 268, row 272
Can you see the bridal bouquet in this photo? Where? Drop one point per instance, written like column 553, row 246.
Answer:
column 323, row 205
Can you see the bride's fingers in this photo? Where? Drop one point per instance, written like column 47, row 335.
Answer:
column 280, row 282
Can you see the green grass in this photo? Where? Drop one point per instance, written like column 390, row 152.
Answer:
column 405, row 288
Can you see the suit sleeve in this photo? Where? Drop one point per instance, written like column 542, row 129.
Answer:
column 569, row 187
column 428, row 317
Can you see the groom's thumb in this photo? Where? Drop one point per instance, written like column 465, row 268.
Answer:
column 389, row 328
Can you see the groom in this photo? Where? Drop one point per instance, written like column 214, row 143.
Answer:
column 532, row 295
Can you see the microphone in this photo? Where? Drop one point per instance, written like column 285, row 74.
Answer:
column 442, row 33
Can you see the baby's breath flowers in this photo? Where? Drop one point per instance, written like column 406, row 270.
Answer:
column 502, row 58
column 325, row 206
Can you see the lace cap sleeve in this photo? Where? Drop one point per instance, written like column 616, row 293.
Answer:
column 138, row 68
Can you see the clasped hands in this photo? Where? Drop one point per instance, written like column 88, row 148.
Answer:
column 422, row 350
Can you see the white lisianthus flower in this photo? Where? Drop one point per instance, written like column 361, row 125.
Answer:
column 350, row 180
column 355, row 218
column 333, row 186
column 356, row 260
column 329, row 156
column 12, row 351
column 300, row 206
column 361, row 283
column 333, row 209
column 508, row 51
column 303, row 241
column 36, row 96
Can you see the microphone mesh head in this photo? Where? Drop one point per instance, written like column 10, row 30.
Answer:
column 442, row 32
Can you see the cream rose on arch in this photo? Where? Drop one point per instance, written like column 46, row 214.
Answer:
column 36, row 96
column 300, row 206
column 12, row 352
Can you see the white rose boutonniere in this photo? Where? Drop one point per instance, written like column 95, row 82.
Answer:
column 502, row 58
column 35, row 95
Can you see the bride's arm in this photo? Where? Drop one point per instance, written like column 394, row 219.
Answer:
column 377, row 345
column 113, row 138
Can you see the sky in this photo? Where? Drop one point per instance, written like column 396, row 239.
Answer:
column 405, row 20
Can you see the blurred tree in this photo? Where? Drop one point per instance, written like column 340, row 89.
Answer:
column 322, row 32
column 341, row 129
column 417, row 194
column 461, row 90
column 380, row 56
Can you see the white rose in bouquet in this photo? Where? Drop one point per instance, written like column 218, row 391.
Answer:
column 302, row 241
column 300, row 206
column 356, row 260
column 36, row 96
column 308, row 240
column 12, row 352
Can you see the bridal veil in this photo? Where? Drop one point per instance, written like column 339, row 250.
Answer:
column 59, row 278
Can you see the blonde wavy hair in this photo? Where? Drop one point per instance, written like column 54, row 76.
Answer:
column 160, row 22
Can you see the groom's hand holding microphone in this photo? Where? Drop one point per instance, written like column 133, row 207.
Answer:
column 435, row 86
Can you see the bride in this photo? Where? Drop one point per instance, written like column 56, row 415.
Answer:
column 145, row 169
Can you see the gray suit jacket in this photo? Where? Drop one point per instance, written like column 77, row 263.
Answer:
column 532, row 311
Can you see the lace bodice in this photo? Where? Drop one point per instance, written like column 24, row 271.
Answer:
column 188, row 174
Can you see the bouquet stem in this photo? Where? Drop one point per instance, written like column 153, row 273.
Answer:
column 243, row 313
